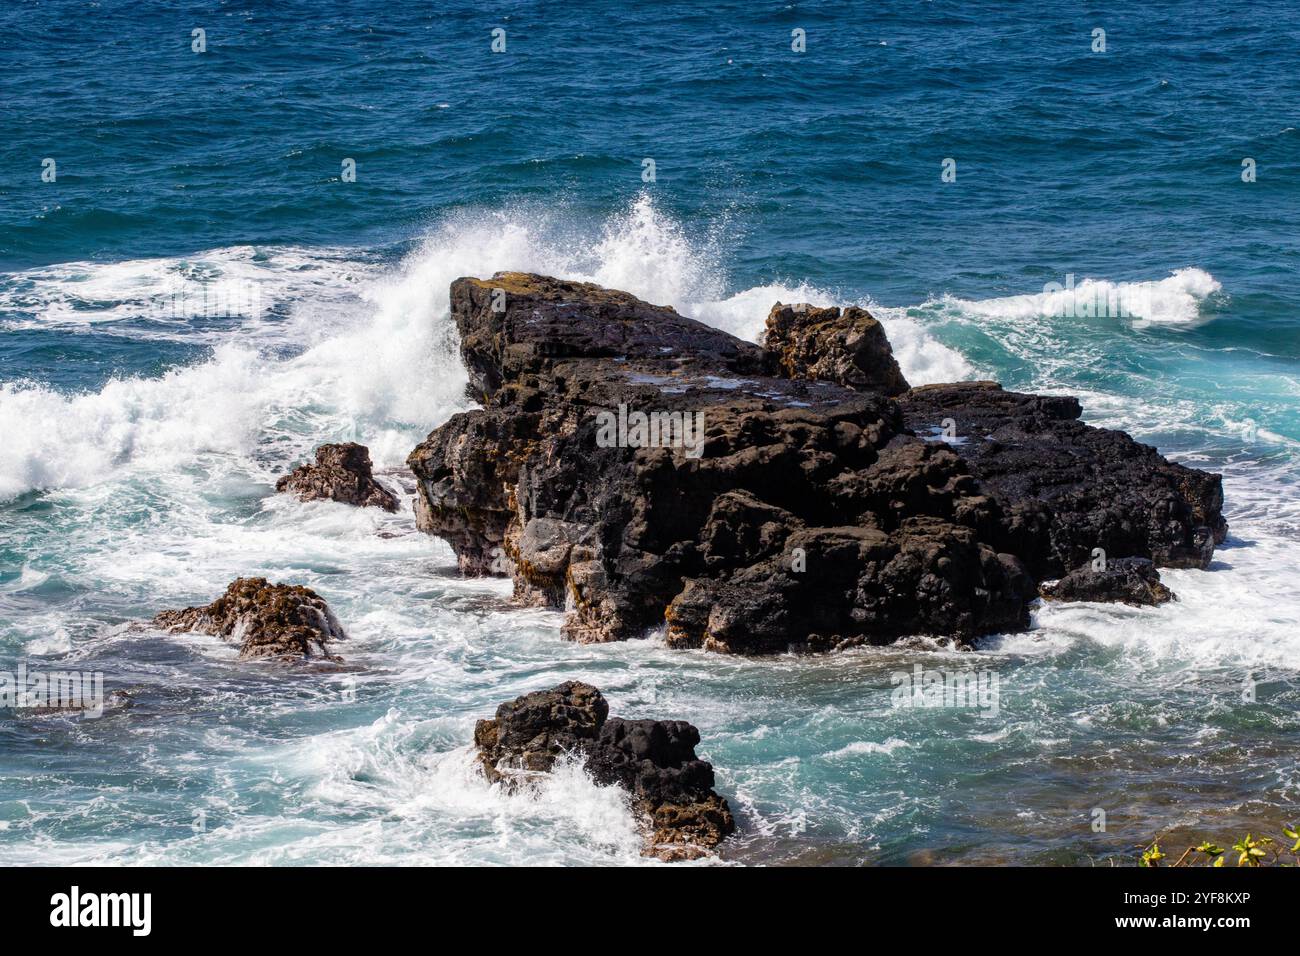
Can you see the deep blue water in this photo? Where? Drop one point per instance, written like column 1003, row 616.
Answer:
column 141, row 428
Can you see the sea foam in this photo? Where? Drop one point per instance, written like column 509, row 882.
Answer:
column 339, row 349
column 1174, row 300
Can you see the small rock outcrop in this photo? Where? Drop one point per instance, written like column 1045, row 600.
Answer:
column 643, row 470
column 848, row 347
column 1125, row 580
column 268, row 620
column 653, row 760
column 341, row 472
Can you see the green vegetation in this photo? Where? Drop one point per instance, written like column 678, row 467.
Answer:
column 1250, row 850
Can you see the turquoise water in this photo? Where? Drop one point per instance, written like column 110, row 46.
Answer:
column 199, row 298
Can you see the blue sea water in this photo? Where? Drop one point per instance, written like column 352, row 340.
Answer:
column 200, row 296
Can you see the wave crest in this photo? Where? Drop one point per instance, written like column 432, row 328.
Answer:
column 1174, row 300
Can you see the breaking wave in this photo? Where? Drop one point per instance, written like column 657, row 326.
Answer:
column 316, row 345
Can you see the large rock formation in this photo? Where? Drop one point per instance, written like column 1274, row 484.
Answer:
column 1127, row 580
column 631, row 463
column 654, row 760
column 343, row 473
column 268, row 620
column 638, row 468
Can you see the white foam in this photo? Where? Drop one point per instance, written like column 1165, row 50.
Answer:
column 384, row 377
column 53, row 440
column 438, row 807
column 1174, row 300
column 58, row 641
column 378, row 362
column 235, row 285
column 861, row 747
column 1240, row 615
column 648, row 254
column 924, row 360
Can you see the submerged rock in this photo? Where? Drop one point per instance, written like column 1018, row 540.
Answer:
column 653, row 760
column 1127, row 580
column 341, row 472
column 638, row 468
column 266, row 619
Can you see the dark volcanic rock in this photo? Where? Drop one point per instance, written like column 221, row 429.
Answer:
column 266, row 619
column 1130, row 580
column 755, row 506
column 804, row 515
column 928, row 577
column 654, row 760
column 1065, row 488
column 847, row 347
column 341, row 472
column 531, row 732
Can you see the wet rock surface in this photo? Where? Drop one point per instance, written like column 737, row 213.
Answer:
column 341, row 472
column 653, row 760
column 267, row 620
column 756, row 509
column 1123, row 580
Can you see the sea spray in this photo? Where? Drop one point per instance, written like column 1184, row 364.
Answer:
column 386, row 358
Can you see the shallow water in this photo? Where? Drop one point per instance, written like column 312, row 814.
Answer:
column 142, row 428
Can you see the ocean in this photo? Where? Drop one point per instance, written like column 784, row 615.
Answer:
column 213, row 260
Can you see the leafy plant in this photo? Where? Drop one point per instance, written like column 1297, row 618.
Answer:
column 1250, row 850
column 1152, row 856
